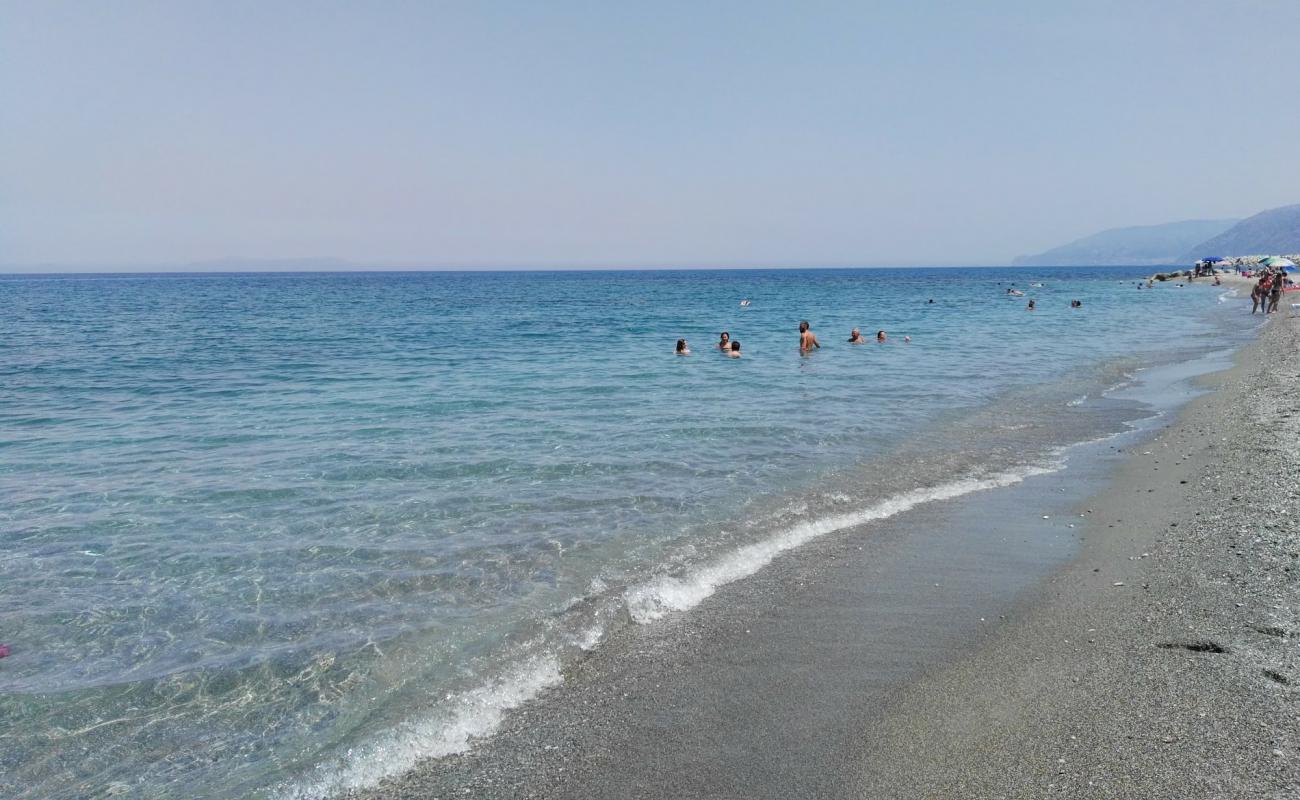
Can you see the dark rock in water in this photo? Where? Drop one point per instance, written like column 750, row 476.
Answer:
column 1196, row 647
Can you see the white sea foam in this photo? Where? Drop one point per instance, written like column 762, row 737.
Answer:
column 477, row 713
column 656, row 598
column 1078, row 401
column 588, row 638
column 459, row 720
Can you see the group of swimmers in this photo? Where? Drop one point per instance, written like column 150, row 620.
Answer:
column 1014, row 292
column 729, row 348
column 807, row 341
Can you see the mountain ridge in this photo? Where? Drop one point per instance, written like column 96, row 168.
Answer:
column 1137, row 245
column 1276, row 230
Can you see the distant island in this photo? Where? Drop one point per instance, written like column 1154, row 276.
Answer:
column 1141, row 245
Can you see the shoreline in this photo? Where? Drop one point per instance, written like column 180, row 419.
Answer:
column 702, row 705
column 1156, row 664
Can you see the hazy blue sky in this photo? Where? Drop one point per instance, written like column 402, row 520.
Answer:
column 654, row 133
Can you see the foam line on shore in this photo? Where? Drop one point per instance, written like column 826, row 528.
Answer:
column 478, row 712
column 467, row 716
column 665, row 594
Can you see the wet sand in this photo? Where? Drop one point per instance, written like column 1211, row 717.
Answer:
column 1024, row 658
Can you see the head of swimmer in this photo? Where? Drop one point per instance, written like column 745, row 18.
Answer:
column 803, row 326
column 681, row 345
column 723, row 338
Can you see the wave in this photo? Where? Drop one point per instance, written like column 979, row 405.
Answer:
column 654, row 599
column 478, row 712
column 465, row 717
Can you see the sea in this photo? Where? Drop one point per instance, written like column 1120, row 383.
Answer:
column 285, row 535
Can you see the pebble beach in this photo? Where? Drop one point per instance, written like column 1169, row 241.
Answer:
column 1160, row 664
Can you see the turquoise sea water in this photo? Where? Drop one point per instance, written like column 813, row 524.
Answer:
column 281, row 535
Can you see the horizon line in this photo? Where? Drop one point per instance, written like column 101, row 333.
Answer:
column 273, row 269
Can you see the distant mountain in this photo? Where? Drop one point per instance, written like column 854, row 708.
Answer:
column 1267, row 233
column 1140, row 245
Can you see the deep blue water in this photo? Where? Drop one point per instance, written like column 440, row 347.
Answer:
column 274, row 535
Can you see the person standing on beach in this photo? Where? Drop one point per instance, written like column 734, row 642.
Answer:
column 807, row 339
column 1257, row 296
column 1275, row 294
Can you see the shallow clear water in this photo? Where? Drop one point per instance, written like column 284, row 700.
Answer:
column 284, row 534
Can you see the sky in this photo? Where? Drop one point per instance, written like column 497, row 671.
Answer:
column 615, row 134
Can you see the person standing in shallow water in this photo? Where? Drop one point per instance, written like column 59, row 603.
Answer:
column 807, row 339
column 734, row 351
column 855, row 337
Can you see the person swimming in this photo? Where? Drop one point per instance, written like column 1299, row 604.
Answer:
column 1030, row 307
column 907, row 338
column 855, row 337
column 807, row 339
column 682, row 349
column 723, row 340
column 734, row 352
column 881, row 338
column 1076, row 304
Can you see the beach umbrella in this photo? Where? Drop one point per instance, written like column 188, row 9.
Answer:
column 1275, row 261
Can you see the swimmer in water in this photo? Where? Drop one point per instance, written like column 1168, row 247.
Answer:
column 744, row 302
column 724, row 340
column 1030, row 307
column 734, row 352
column 682, row 349
column 856, row 337
column 807, row 339
column 881, row 338
column 907, row 338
